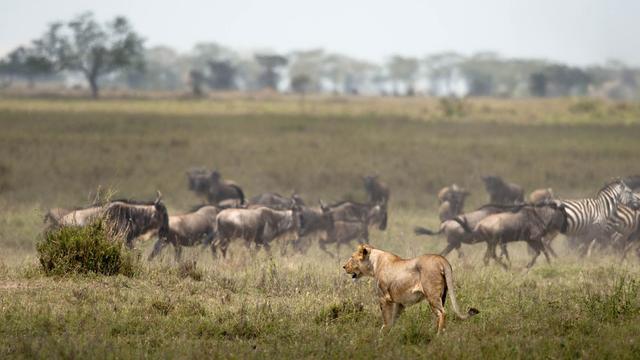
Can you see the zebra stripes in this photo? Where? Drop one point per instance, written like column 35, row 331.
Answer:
column 594, row 216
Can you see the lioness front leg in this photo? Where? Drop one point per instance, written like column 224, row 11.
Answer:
column 387, row 309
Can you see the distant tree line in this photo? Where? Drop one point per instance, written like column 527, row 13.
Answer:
column 113, row 55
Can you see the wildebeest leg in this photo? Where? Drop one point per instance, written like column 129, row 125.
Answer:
column 224, row 244
column 494, row 256
column 323, row 247
column 547, row 244
column 157, row 248
column 504, row 252
column 487, row 254
column 543, row 248
column 537, row 248
column 177, row 248
column 449, row 248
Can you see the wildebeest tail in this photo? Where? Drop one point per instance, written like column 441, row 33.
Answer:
column 240, row 192
column 463, row 223
column 419, row 230
column 448, row 276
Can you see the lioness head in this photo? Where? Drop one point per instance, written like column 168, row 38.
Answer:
column 359, row 263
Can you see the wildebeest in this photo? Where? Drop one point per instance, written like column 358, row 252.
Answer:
column 502, row 192
column 80, row 216
column 130, row 218
column 124, row 217
column 259, row 225
column 459, row 230
column 451, row 201
column 372, row 214
column 53, row 217
column 377, row 191
column 197, row 227
column 528, row 223
column 541, row 195
column 342, row 222
column 276, row 201
column 210, row 186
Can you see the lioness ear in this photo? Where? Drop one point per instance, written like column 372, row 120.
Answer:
column 364, row 251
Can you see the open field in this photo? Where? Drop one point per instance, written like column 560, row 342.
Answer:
column 58, row 152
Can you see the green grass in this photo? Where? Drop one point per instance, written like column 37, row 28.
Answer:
column 59, row 152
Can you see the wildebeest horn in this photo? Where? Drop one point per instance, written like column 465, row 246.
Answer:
column 158, row 196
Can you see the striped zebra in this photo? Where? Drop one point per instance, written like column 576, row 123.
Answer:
column 624, row 228
column 589, row 219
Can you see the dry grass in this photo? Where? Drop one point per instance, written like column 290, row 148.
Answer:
column 58, row 152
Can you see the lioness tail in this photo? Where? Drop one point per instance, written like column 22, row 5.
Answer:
column 448, row 276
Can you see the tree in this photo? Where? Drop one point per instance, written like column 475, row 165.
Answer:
column 441, row 69
column 95, row 50
column 270, row 64
column 26, row 63
column 222, row 75
column 538, row 84
column 301, row 84
column 196, row 79
column 403, row 69
column 307, row 63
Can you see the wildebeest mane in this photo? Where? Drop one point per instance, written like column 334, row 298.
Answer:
column 131, row 221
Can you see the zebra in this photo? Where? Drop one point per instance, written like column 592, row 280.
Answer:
column 594, row 218
column 624, row 229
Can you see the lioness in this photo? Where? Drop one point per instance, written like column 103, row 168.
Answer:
column 404, row 282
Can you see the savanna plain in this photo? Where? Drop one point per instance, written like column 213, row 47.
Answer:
column 61, row 152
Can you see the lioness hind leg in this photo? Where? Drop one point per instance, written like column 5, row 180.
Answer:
column 436, row 294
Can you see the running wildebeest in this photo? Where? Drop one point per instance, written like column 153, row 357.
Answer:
column 53, row 217
column 528, row 223
column 372, row 214
column 451, row 201
column 124, row 217
column 459, row 230
column 377, row 191
column 130, row 218
column 541, row 195
column 342, row 222
column 502, row 192
column 276, row 201
column 191, row 229
column 210, row 186
column 259, row 225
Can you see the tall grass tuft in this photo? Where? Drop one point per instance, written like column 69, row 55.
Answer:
column 88, row 249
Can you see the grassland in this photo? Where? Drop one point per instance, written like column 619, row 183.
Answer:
column 57, row 152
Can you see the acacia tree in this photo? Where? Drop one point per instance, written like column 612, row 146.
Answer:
column 26, row 63
column 403, row 69
column 95, row 50
column 270, row 64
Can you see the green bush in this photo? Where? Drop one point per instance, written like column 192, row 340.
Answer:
column 87, row 249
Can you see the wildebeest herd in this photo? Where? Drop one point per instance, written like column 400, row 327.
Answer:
column 609, row 220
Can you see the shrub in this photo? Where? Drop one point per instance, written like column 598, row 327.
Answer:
column 87, row 249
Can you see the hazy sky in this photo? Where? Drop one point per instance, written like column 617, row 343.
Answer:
column 575, row 31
